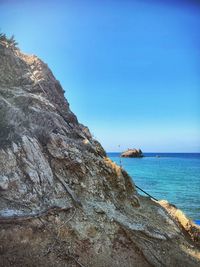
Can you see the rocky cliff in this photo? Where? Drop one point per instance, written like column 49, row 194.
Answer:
column 63, row 202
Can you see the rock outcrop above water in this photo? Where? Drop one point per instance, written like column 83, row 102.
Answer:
column 132, row 153
column 62, row 201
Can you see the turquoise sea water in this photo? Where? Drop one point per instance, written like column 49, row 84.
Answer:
column 171, row 176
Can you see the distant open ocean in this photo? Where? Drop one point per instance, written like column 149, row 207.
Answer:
column 171, row 176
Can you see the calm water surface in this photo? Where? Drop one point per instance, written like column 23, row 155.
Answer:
column 171, row 176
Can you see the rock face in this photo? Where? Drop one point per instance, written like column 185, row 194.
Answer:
column 132, row 153
column 62, row 201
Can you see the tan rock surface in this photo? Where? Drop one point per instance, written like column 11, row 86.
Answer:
column 63, row 202
column 132, row 153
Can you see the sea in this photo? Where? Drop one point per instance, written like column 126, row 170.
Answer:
column 174, row 177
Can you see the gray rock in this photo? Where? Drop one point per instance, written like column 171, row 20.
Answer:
column 4, row 182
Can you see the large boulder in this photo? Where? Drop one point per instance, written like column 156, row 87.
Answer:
column 62, row 201
column 132, row 153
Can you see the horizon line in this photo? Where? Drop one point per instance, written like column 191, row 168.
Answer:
column 157, row 152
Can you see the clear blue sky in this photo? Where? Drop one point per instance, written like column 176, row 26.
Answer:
column 130, row 69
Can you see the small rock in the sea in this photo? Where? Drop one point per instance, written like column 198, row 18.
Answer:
column 132, row 153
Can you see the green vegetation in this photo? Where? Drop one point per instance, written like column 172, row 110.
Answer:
column 9, row 42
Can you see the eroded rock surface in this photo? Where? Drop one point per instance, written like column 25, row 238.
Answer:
column 132, row 153
column 63, row 202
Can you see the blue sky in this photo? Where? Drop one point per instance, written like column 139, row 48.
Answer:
column 130, row 69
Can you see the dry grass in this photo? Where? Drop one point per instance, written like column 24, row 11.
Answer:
column 113, row 166
column 187, row 224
